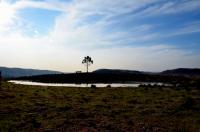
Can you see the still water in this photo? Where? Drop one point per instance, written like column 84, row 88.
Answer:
column 133, row 84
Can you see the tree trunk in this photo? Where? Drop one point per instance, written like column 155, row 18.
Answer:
column 87, row 67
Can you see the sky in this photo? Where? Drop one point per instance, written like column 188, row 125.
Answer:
column 146, row 35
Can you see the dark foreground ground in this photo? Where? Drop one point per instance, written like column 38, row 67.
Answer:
column 34, row 108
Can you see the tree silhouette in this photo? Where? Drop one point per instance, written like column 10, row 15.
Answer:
column 87, row 61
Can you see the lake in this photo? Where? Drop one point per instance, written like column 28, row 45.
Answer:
column 132, row 84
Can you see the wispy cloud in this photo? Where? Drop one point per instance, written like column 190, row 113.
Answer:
column 169, row 7
column 104, row 29
column 7, row 16
column 192, row 27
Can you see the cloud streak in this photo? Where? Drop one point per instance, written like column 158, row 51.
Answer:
column 103, row 29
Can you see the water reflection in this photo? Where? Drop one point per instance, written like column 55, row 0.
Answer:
column 133, row 84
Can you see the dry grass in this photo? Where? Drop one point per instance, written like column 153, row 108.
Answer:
column 35, row 108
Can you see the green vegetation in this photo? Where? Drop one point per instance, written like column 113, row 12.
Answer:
column 35, row 108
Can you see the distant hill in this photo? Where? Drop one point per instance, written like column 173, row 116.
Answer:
column 178, row 72
column 116, row 71
column 117, row 76
column 19, row 72
column 182, row 72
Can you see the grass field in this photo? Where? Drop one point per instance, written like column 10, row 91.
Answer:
column 35, row 108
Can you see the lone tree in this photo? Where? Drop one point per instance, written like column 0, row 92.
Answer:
column 87, row 61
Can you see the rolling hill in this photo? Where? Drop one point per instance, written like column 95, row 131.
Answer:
column 182, row 72
column 116, row 71
column 19, row 72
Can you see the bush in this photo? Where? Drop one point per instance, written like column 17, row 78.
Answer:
column 108, row 86
column 36, row 124
column 188, row 103
column 93, row 86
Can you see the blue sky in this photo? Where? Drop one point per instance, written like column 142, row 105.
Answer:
column 150, row 35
